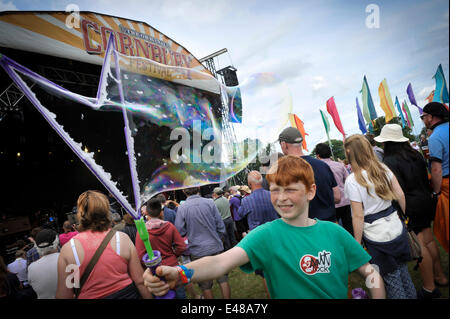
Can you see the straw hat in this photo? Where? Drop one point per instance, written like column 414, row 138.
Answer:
column 391, row 133
column 245, row 189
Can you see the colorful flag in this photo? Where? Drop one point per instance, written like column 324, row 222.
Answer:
column 362, row 125
column 441, row 92
column 412, row 99
column 298, row 124
column 331, row 108
column 400, row 111
column 368, row 106
column 325, row 123
column 386, row 101
column 408, row 114
column 430, row 97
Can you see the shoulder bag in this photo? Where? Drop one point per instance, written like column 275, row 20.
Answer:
column 94, row 260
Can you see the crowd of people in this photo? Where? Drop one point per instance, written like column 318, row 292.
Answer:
column 303, row 227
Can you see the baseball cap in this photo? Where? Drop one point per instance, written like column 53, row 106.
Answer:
column 290, row 135
column 436, row 109
column 45, row 238
column 218, row 191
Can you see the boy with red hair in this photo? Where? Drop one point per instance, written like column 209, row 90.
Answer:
column 302, row 258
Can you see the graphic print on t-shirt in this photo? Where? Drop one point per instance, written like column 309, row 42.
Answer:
column 312, row 265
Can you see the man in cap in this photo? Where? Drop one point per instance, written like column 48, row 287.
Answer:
column 328, row 193
column 435, row 118
column 43, row 273
column 223, row 206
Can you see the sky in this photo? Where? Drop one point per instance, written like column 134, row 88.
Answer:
column 319, row 48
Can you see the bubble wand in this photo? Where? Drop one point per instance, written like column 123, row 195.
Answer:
column 152, row 259
column 143, row 233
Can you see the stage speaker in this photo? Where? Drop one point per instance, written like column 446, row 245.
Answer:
column 229, row 76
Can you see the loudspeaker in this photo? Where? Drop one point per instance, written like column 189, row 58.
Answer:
column 229, row 76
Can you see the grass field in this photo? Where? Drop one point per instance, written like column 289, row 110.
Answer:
column 251, row 286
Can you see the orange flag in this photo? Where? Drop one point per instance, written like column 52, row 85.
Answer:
column 430, row 97
column 298, row 124
column 386, row 101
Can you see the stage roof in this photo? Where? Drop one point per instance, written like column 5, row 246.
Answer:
column 84, row 38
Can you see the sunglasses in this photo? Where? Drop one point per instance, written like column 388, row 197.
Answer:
column 423, row 115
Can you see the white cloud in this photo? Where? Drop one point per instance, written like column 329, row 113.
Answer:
column 425, row 92
column 318, row 82
column 8, row 6
column 196, row 12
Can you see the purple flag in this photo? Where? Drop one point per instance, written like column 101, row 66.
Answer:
column 412, row 99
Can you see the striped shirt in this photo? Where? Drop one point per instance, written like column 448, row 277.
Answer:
column 258, row 208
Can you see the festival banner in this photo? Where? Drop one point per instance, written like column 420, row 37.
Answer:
column 327, row 130
column 83, row 37
column 412, row 99
column 298, row 124
column 332, row 109
column 430, row 97
column 386, row 101
column 368, row 107
column 441, row 92
column 325, row 122
column 400, row 112
column 407, row 114
column 362, row 125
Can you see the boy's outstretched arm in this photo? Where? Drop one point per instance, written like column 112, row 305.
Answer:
column 206, row 268
column 374, row 281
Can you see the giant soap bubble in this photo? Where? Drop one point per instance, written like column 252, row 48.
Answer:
column 153, row 128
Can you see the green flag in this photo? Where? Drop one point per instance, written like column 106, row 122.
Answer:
column 325, row 122
column 409, row 114
column 327, row 129
column 369, row 112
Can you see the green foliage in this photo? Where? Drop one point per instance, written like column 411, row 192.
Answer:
column 241, row 177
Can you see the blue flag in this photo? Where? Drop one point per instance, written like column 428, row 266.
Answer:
column 441, row 92
column 397, row 104
column 362, row 125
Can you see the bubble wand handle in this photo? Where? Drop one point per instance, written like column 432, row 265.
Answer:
column 152, row 259
column 143, row 233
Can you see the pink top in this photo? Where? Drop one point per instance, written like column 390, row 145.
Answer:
column 65, row 237
column 109, row 275
column 340, row 174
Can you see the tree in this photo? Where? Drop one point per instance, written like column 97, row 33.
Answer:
column 263, row 152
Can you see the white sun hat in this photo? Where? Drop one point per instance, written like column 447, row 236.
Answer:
column 391, row 133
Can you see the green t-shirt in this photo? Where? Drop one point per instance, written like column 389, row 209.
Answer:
column 303, row 262
column 223, row 205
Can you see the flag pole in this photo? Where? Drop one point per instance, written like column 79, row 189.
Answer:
column 331, row 148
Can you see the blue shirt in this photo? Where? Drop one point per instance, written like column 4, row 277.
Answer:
column 258, row 208
column 235, row 203
column 169, row 215
column 199, row 219
column 438, row 146
column 32, row 255
column 322, row 205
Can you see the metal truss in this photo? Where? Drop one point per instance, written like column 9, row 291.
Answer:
column 10, row 98
column 60, row 76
